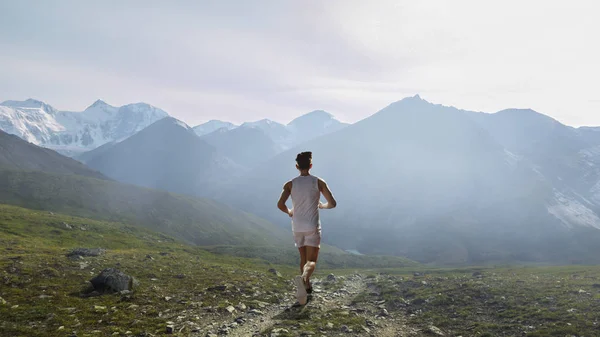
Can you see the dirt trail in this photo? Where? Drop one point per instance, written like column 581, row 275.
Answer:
column 333, row 295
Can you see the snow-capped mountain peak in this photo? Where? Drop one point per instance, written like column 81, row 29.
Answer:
column 73, row 132
column 30, row 103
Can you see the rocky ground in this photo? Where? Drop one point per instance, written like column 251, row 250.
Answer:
column 67, row 277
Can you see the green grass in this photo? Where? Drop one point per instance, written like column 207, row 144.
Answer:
column 33, row 263
column 532, row 301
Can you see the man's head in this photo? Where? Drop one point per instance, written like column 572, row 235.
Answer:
column 304, row 161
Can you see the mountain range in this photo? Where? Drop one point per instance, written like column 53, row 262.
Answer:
column 443, row 185
column 433, row 183
column 74, row 132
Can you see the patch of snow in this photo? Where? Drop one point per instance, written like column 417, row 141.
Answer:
column 572, row 213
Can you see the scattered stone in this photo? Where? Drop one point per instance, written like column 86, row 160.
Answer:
column 416, row 274
column 384, row 313
column 255, row 312
column 149, row 257
column 79, row 252
column 217, row 288
column 43, row 296
column 168, row 298
column 112, row 280
column 275, row 272
column 99, row 308
column 280, row 330
column 476, row 274
column 346, row 329
column 435, row 330
column 331, row 278
column 14, row 306
column 329, row 325
column 163, row 253
column 180, row 276
column 2, row 301
column 365, row 329
column 62, row 327
column 67, row 226
column 241, row 307
column 230, row 309
column 83, row 265
column 170, row 328
column 125, row 292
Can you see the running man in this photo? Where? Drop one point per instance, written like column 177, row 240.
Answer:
column 305, row 191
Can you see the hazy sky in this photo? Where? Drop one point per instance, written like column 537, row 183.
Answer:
column 247, row 60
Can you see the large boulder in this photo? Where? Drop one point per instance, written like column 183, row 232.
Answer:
column 112, row 280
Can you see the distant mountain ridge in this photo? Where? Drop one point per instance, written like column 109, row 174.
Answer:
column 304, row 128
column 75, row 132
column 166, row 155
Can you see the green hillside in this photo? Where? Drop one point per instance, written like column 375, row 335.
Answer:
column 193, row 220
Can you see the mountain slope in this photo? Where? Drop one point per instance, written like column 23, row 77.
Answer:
column 75, row 132
column 245, row 145
column 568, row 158
column 314, row 124
column 167, row 155
column 427, row 182
column 17, row 154
column 276, row 131
column 198, row 221
column 212, row 126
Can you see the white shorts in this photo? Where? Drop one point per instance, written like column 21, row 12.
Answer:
column 312, row 239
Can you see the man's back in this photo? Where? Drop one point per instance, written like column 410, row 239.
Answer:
column 305, row 200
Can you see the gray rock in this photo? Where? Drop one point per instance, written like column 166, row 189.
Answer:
column 170, row 328
column 384, row 313
column 217, row 288
column 77, row 252
column 331, row 277
column 435, row 330
column 275, row 272
column 112, row 280
column 230, row 309
column 3, row 301
column 346, row 329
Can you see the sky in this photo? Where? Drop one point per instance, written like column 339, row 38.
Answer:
column 247, row 60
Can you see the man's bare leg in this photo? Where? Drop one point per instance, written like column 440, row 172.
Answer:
column 312, row 254
column 302, row 251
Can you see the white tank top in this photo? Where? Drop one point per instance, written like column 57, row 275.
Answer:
column 305, row 204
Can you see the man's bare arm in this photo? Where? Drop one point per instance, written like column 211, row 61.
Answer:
column 285, row 194
column 331, row 203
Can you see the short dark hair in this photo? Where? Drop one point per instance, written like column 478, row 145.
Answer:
column 304, row 159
